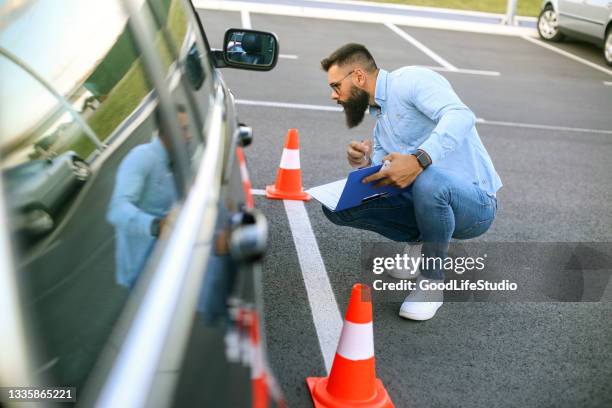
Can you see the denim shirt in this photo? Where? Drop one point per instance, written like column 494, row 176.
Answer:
column 144, row 190
column 418, row 109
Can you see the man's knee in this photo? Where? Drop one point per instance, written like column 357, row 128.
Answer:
column 430, row 186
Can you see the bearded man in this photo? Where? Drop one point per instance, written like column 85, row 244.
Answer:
column 429, row 138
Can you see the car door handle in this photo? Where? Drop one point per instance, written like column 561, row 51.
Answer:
column 249, row 236
column 245, row 135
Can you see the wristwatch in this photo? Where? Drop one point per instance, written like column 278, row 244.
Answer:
column 155, row 227
column 423, row 158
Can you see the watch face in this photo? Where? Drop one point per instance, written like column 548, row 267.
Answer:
column 423, row 160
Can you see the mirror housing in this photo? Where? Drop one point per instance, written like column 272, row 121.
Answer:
column 250, row 49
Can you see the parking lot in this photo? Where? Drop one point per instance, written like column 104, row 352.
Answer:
column 545, row 120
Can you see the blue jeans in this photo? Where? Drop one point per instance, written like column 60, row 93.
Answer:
column 438, row 206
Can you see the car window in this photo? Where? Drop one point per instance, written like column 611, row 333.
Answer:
column 89, row 177
column 186, row 65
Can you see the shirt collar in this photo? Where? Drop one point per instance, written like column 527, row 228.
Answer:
column 380, row 91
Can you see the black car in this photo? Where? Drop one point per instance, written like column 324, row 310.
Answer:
column 146, row 291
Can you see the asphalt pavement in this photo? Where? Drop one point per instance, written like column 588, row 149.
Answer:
column 548, row 129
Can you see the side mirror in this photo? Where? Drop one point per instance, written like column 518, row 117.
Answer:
column 250, row 49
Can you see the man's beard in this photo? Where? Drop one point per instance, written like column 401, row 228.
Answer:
column 355, row 106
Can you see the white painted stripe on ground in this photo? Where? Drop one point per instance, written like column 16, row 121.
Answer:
column 246, row 18
column 567, row 54
column 360, row 16
column 423, row 8
column 420, row 46
column 290, row 160
column 325, row 314
column 542, row 127
column 356, row 341
column 257, row 191
column 288, row 56
column 289, row 105
column 478, row 120
column 608, row 83
column 462, row 71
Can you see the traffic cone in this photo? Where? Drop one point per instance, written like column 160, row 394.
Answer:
column 289, row 177
column 260, row 396
column 352, row 381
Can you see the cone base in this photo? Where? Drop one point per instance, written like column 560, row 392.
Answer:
column 322, row 399
column 273, row 193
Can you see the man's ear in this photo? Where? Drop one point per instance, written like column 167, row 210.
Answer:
column 360, row 77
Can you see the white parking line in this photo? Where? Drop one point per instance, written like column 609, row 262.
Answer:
column 420, row 46
column 288, row 56
column 567, row 54
column 289, row 105
column 246, row 19
column 325, row 313
column 608, row 83
column 478, row 120
column 542, row 127
column 463, row 71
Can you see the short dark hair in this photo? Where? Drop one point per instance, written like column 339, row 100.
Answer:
column 180, row 108
column 350, row 53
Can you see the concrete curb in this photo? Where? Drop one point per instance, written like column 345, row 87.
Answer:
column 354, row 11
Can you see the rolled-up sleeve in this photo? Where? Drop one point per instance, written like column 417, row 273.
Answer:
column 434, row 97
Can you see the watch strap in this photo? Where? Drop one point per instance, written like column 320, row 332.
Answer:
column 423, row 158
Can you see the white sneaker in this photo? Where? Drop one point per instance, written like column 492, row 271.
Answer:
column 422, row 304
column 413, row 252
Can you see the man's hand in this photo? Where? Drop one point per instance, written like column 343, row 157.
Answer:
column 402, row 171
column 358, row 153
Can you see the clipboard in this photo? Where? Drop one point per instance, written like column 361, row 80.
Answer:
column 351, row 192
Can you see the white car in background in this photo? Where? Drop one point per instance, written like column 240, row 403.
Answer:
column 589, row 20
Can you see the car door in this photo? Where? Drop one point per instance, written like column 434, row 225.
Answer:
column 83, row 81
column 598, row 12
column 582, row 16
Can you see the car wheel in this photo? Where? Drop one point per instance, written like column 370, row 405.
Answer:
column 38, row 220
column 548, row 25
column 81, row 170
column 608, row 47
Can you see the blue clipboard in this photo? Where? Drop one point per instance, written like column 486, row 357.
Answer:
column 356, row 193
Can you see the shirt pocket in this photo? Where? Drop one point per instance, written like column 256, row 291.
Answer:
column 402, row 126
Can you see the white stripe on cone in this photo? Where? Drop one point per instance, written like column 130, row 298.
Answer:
column 290, row 159
column 356, row 341
column 244, row 173
column 257, row 368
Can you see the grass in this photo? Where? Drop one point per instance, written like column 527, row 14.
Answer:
column 132, row 88
column 524, row 7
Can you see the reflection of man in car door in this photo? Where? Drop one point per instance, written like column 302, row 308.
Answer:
column 144, row 193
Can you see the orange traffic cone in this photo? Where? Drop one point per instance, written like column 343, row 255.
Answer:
column 352, row 381
column 289, row 177
column 260, row 396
